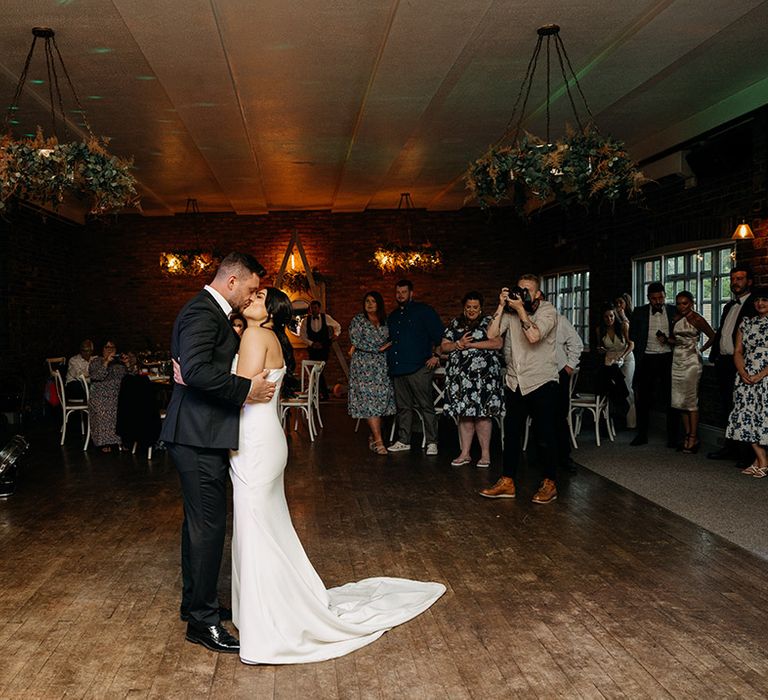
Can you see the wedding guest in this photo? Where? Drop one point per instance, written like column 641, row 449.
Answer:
column 318, row 331
column 106, row 373
column 687, row 366
column 528, row 325
column 722, row 355
column 371, row 392
column 77, row 367
column 623, row 306
column 748, row 421
column 568, row 349
column 239, row 324
column 473, row 384
column 416, row 332
column 649, row 329
column 614, row 343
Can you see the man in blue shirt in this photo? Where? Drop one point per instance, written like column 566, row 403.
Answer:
column 415, row 330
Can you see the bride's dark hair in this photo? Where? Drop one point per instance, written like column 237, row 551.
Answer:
column 280, row 312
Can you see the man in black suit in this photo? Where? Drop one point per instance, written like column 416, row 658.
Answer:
column 201, row 426
column 740, row 307
column 650, row 328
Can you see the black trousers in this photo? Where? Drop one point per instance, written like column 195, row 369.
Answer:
column 541, row 405
column 203, row 475
column 321, row 354
column 653, row 378
column 563, row 434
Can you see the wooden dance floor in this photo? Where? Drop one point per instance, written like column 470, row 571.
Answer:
column 599, row 595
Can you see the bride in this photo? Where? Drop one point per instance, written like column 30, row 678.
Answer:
column 281, row 607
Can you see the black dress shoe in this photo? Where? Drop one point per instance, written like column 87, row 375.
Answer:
column 213, row 637
column 722, row 453
column 639, row 440
column 225, row 614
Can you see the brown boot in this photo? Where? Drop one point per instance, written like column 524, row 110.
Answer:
column 547, row 492
column 503, row 488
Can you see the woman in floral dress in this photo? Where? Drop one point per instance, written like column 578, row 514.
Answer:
column 371, row 392
column 474, row 392
column 106, row 373
column 748, row 421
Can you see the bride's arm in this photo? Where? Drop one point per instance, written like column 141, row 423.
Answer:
column 253, row 352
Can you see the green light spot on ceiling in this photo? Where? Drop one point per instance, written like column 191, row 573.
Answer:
column 77, row 111
column 13, row 107
column 145, row 77
column 30, row 136
column 95, row 97
column 37, row 81
column 14, row 121
column 64, row 2
column 100, row 49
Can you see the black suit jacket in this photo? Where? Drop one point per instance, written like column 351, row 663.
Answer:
column 638, row 327
column 206, row 412
column 747, row 310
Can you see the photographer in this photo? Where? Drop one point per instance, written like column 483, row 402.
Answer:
column 529, row 327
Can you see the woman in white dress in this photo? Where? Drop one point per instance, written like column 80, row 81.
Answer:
column 280, row 605
column 613, row 341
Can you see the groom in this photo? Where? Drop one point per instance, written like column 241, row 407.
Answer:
column 201, row 426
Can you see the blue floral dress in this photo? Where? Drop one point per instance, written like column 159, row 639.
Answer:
column 371, row 392
column 748, row 421
column 473, row 378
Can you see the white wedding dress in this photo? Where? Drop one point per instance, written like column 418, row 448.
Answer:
column 280, row 606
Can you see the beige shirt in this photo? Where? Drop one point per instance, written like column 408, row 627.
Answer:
column 530, row 365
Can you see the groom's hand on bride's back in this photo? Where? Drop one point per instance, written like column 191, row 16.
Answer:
column 262, row 390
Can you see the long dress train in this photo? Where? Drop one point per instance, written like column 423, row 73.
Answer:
column 280, row 605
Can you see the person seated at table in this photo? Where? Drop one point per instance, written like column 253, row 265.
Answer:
column 77, row 367
column 238, row 322
column 138, row 416
column 106, row 373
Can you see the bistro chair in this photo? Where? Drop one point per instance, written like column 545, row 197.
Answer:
column 71, row 406
column 304, row 401
column 55, row 363
column 599, row 406
column 306, row 372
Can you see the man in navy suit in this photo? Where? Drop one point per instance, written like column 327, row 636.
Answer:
column 201, row 426
column 650, row 328
column 723, row 346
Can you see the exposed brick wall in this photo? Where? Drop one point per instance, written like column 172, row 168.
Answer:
column 63, row 282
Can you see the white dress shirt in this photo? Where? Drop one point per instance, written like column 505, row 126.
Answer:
column 729, row 326
column 569, row 345
column 316, row 324
column 220, row 300
column 656, row 323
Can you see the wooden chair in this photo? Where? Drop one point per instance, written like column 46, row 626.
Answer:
column 306, row 371
column 599, row 406
column 71, row 406
column 55, row 363
column 305, row 401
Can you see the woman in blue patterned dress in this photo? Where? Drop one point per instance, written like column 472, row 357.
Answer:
column 748, row 421
column 371, row 392
column 474, row 392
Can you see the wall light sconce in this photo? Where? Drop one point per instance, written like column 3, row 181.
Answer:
column 743, row 232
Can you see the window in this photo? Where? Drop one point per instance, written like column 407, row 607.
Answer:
column 704, row 272
column 569, row 292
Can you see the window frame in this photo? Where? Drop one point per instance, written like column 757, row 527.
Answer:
column 571, row 300
column 686, row 267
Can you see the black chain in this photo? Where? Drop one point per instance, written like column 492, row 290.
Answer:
column 19, row 87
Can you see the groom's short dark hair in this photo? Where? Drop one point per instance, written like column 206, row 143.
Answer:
column 234, row 262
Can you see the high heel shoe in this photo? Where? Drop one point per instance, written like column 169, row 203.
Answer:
column 691, row 445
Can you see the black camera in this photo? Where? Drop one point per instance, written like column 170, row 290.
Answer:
column 524, row 295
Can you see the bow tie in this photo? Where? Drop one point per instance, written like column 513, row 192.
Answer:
column 656, row 311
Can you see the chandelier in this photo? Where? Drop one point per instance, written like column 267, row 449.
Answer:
column 391, row 257
column 45, row 170
column 583, row 166
column 193, row 261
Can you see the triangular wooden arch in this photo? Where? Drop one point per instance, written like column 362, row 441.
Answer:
column 313, row 289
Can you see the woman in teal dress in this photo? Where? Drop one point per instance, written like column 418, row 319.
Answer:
column 371, row 392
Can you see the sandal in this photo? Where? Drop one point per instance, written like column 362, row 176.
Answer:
column 460, row 462
column 378, row 448
column 691, row 445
